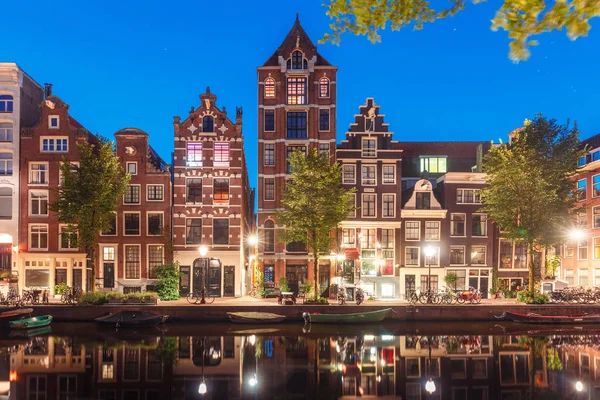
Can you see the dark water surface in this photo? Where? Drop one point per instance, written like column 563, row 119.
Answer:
column 454, row 361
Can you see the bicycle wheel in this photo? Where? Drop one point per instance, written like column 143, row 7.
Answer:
column 423, row 298
column 210, row 299
column 192, row 298
column 460, row 300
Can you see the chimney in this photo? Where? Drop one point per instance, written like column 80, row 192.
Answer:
column 47, row 90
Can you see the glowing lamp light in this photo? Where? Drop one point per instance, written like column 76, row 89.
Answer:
column 429, row 251
column 579, row 386
column 382, row 362
column 430, row 386
column 341, row 257
column 378, row 245
column 202, row 388
column 369, row 337
column 378, row 378
column 253, row 381
column 203, row 251
column 252, row 240
column 12, row 377
column 15, row 249
column 252, row 340
column 252, row 257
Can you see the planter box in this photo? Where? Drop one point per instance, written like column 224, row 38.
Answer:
column 116, row 301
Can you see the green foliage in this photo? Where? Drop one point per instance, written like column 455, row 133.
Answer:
column 166, row 351
column 92, row 299
column 320, row 300
column 61, row 288
column 142, row 297
column 508, row 294
column 259, row 279
column 283, row 284
column 535, row 297
column 450, row 278
column 6, row 275
column 115, row 295
column 371, row 298
column 306, row 287
column 495, row 281
column 552, row 264
column 314, row 203
column 91, row 192
column 167, row 285
column 553, row 360
column 530, row 191
column 521, row 19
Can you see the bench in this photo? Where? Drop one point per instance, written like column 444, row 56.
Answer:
column 271, row 290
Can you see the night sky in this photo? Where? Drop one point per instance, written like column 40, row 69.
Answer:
column 139, row 63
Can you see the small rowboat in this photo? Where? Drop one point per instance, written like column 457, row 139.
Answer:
column 255, row 317
column 356, row 318
column 13, row 315
column 29, row 323
column 533, row 318
column 131, row 319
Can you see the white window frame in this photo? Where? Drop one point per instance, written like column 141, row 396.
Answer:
column 352, row 234
column 194, row 164
column 47, row 171
column 577, row 189
column 139, row 222
column 418, row 264
column 368, row 153
column 428, row 158
column 6, row 162
column 139, row 195
column 60, row 175
column 132, row 163
column 393, row 205
column 6, row 129
column 463, row 195
column 579, row 270
column 54, row 140
column 116, row 226
column 344, row 181
column 265, row 153
column 274, row 88
column 587, row 247
column 60, row 228
column 406, row 230
column 139, row 246
column 464, row 249
column 148, row 186
column 50, row 118
column 383, row 180
column 486, row 225
column 227, row 162
column 328, row 87
column 362, row 201
column 29, row 234
column 484, row 258
column 352, row 213
column 592, row 181
column 148, row 222
column 362, row 179
column 439, row 234
column 29, row 202
column 148, row 256
column 464, row 227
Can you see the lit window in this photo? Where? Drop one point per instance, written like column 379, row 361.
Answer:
column 269, row 154
column 296, row 90
column 269, row 120
column 324, row 119
column 432, row 230
column 53, row 122
column 108, row 253
column 389, row 174
column 369, row 148
column 6, row 103
column 478, row 255
column 269, row 188
column 194, row 154
column 208, row 124
column 221, row 156
column 221, row 190
column 269, row 88
column 349, row 174
column 468, row 196
column 38, row 173
column 132, row 194
column 60, row 145
column 6, row 131
column 349, row 237
column 132, row 168
column 155, row 192
column 369, row 202
column 6, row 164
column 368, row 175
column 434, row 165
column 38, row 237
column 38, row 202
column 323, row 87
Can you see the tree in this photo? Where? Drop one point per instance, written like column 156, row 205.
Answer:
column 529, row 191
column 314, row 203
column 521, row 19
column 167, row 286
column 90, row 193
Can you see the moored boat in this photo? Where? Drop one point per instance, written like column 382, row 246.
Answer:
column 255, row 317
column 131, row 319
column 352, row 318
column 33, row 322
column 12, row 315
column 533, row 318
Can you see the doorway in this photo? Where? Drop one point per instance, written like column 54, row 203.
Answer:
column 184, row 280
column 324, row 271
column 198, row 275
column 409, row 286
column 479, row 279
column 295, row 274
column 213, row 281
column 77, row 278
column 109, row 274
column 229, row 281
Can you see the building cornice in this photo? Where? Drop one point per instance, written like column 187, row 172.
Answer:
column 423, row 213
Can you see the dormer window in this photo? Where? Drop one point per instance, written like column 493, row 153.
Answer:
column 208, row 124
column 269, row 88
column 53, row 122
column 369, row 148
column 323, row 87
column 297, row 61
column 581, row 161
column 435, row 165
column 6, row 103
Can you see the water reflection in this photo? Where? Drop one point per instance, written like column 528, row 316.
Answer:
column 262, row 365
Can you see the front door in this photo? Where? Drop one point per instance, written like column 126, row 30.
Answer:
column 409, row 286
column 324, row 280
column 109, row 274
column 229, row 281
column 295, row 275
column 77, row 278
column 184, row 280
column 213, row 284
column 198, row 274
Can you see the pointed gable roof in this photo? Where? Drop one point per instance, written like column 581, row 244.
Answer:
column 297, row 38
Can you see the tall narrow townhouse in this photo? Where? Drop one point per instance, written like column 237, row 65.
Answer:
column 211, row 200
column 139, row 236
column 371, row 162
column 20, row 98
column 296, row 111
column 49, row 250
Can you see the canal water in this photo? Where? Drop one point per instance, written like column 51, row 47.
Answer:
column 425, row 361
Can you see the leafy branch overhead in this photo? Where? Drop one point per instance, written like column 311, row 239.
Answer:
column 522, row 19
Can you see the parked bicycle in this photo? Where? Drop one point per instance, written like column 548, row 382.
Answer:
column 429, row 297
column 471, row 295
column 71, row 296
column 342, row 296
column 196, row 297
column 13, row 298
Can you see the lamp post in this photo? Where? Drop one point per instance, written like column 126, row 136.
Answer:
column 203, row 252
column 429, row 253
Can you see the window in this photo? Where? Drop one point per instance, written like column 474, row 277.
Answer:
column 468, row 196
column 368, row 205
column 596, row 186
column 108, row 254
column 38, row 237
column 269, row 120
column 155, row 192
column 5, row 203
column 412, row 230
column 68, row 238
column 112, row 226
column 296, row 90
column 38, row 202
column 38, row 173
column 596, row 216
column 55, row 145
column 323, row 87
column 387, row 251
column 461, row 278
column 389, row 205
column 220, row 231
column 581, row 219
column 297, row 60
column 194, row 154
column 132, row 223
column 324, row 149
column 581, row 162
column 349, row 175
column 478, row 255
column 289, row 151
column 6, row 130
column 582, row 249
column 569, row 277
column 155, row 259
column 6, row 103
column 132, row 262
column 596, row 248
column 269, row 154
column 324, row 119
column 457, row 255
column 389, row 174
column 411, row 256
column 132, row 168
column 423, row 201
column 457, row 225
column 434, row 165
column 221, row 190
column 54, row 122
column 208, row 124
column 597, row 283
column 269, row 188
column 513, row 255
column 269, row 88
column 479, row 225
column 36, row 385
column 432, row 230
column 221, row 156
column 132, row 195
column 193, row 231
column 595, row 156
column 349, row 237
column 269, row 273
column 434, row 259
column 155, row 223
column 581, row 189
column 269, row 236
column 368, row 175
column 352, row 203
column 73, row 166
column 296, row 125
column 368, row 239
column 369, row 148
column 193, row 190
column 583, row 277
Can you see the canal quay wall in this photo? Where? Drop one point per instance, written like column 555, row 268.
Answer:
column 401, row 313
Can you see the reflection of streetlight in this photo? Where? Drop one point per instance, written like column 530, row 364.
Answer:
column 430, row 386
column 203, row 252
column 252, row 340
column 202, row 388
column 253, row 381
column 429, row 253
column 579, row 386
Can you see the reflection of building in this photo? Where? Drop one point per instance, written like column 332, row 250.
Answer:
column 212, row 199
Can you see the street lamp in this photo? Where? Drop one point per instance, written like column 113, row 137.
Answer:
column 203, row 252
column 429, row 253
column 579, row 386
column 576, row 234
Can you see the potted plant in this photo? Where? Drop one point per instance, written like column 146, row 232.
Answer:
column 6, row 276
column 115, row 297
column 61, row 289
column 450, row 279
column 283, row 284
column 494, row 293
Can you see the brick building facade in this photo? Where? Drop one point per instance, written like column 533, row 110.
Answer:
column 296, row 111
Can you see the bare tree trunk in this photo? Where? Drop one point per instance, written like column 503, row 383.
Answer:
column 92, row 253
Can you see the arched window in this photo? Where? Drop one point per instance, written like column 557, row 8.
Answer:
column 297, row 60
column 323, row 87
column 269, row 236
column 6, row 132
column 6, row 103
column 208, row 124
column 269, row 88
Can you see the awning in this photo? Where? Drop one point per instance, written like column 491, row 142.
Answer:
column 351, row 254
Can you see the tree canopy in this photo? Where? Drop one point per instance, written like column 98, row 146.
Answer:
column 529, row 191
column 313, row 205
column 522, row 19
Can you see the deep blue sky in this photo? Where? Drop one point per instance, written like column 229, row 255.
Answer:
column 139, row 63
